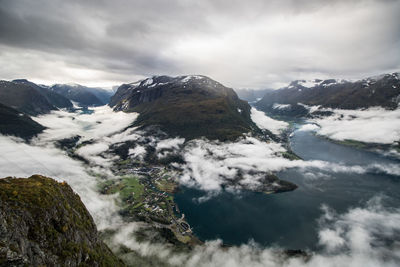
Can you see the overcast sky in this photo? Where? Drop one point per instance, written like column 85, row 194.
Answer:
column 243, row 44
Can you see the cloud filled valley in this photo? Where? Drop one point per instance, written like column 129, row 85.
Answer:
column 211, row 166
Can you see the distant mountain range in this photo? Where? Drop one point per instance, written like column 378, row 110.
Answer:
column 87, row 96
column 53, row 98
column 186, row 106
column 251, row 95
column 24, row 98
column 383, row 91
column 191, row 106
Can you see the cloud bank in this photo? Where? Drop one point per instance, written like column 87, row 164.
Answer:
column 22, row 160
column 267, row 123
column 373, row 125
column 212, row 166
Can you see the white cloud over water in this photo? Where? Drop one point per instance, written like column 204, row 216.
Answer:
column 373, row 125
column 267, row 123
column 309, row 127
column 210, row 166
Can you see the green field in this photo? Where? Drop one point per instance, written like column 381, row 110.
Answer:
column 128, row 187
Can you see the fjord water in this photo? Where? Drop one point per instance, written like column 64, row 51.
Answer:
column 290, row 219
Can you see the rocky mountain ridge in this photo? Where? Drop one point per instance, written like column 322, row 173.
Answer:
column 87, row 96
column 383, row 90
column 187, row 106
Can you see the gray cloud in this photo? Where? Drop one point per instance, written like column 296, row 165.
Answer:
column 257, row 44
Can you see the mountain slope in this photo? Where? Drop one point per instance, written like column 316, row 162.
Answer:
column 44, row 223
column 84, row 95
column 102, row 94
column 54, row 98
column 24, row 98
column 186, row 106
column 16, row 123
column 381, row 91
column 251, row 95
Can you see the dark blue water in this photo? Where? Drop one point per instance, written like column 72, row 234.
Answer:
column 290, row 219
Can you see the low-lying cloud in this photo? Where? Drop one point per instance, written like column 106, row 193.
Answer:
column 210, row 166
column 19, row 159
column 102, row 128
column 373, row 125
column 101, row 123
column 267, row 123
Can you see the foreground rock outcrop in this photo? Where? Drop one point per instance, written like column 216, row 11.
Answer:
column 44, row 223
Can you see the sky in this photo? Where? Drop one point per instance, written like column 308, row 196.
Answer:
column 242, row 44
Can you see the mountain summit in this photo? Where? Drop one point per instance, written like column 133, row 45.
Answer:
column 186, row 106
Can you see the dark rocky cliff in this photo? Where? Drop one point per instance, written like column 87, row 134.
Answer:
column 44, row 223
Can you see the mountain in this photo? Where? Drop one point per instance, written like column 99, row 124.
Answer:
column 54, row 98
column 88, row 96
column 24, row 98
column 383, row 90
column 44, row 223
column 186, row 106
column 102, row 94
column 251, row 95
column 13, row 122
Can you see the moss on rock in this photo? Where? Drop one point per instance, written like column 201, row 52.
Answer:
column 43, row 222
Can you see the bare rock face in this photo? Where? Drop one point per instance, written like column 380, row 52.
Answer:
column 44, row 223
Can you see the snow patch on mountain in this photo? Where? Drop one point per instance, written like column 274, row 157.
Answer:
column 190, row 77
column 281, row 106
column 147, row 82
